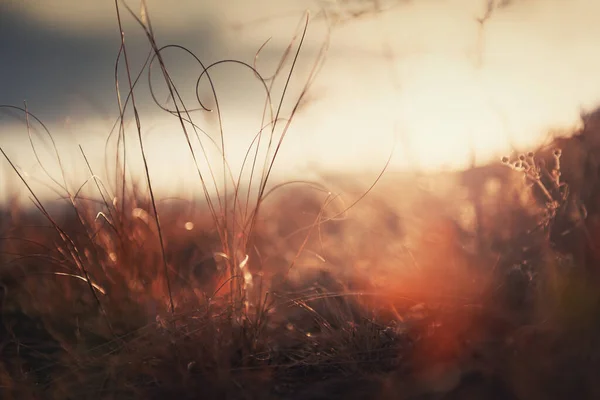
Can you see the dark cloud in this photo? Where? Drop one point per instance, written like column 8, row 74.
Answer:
column 60, row 72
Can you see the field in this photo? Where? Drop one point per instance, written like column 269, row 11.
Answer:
column 479, row 284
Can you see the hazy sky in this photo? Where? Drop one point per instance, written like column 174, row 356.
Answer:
column 451, row 87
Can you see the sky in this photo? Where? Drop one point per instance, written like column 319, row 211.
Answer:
column 422, row 78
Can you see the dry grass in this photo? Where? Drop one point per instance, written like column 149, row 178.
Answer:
column 463, row 285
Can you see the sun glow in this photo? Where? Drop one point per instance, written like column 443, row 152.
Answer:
column 449, row 96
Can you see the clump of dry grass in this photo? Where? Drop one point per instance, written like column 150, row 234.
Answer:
column 125, row 304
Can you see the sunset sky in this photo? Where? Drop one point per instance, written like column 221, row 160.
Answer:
column 422, row 75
